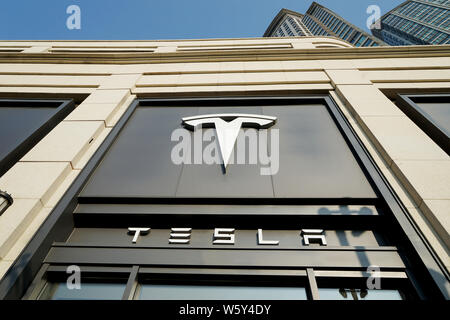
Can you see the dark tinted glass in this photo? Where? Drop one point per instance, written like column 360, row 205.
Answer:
column 314, row 160
column 430, row 112
column 24, row 123
column 195, row 292
column 439, row 113
column 88, row 291
column 358, row 294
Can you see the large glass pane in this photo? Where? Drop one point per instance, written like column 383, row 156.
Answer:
column 23, row 123
column 197, row 292
column 358, row 294
column 439, row 113
column 88, row 291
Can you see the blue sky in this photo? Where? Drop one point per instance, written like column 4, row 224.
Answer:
column 160, row 19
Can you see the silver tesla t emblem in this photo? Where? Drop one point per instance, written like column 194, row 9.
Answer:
column 227, row 127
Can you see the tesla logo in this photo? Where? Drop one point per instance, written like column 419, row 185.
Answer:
column 227, row 128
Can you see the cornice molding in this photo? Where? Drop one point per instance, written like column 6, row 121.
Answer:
column 235, row 55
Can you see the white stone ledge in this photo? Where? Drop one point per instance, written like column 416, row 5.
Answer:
column 402, row 189
column 108, row 96
column 14, row 221
column 122, row 81
column 68, row 141
column 34, row 180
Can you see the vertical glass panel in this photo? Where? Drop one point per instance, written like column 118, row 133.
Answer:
column 88, row 291
column 439, row 114
column 23, row 123
column 197, row 292
column 360, row 41
column 358, row 294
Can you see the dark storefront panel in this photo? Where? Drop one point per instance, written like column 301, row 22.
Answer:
column 202, row 238
column 322, row 258
column 331, row 211
column 315, row 161
column 228, row 209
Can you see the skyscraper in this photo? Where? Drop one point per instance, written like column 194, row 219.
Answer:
column 416, row 22
column 319, row 21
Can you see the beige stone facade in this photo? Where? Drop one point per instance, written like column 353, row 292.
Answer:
column 105, row 77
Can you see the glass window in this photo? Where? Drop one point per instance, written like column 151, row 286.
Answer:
column 88, row 291
column 349, row 32
column 358, row 294
column 431, row 113
column 439, row 112
column 23, row 123
column 360, row 41
column 199, row 292
column 355, row 37
column 367, row 43
column 337, row 26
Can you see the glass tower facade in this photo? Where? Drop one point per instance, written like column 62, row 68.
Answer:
column 319, row 21
column 416, row 22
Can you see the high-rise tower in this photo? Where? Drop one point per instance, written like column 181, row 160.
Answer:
column 416, row 22
column 319, row 21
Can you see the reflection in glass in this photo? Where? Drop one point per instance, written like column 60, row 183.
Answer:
column 196, row 292
column 88, row 291
column 358, row 294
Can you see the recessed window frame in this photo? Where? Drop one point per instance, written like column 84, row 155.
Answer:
column 135, row 276
column 49, row 274
column 406, row 103
column 20, row 148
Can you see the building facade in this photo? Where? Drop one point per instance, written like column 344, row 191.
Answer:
column 417, row 22
column 112, row 181
column 319, row 21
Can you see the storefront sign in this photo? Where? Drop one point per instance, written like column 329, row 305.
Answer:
column 227, row 236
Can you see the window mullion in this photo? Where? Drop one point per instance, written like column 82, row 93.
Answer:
column 37, row 285
column 314, row 291
column 132, row 283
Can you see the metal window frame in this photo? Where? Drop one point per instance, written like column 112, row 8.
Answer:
column 424, row 121
column 65, row 107
column 135, row 275
column 357, row 279
column 232, row 277
column 51, row 273
column 60, row 223
column 309, row 279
